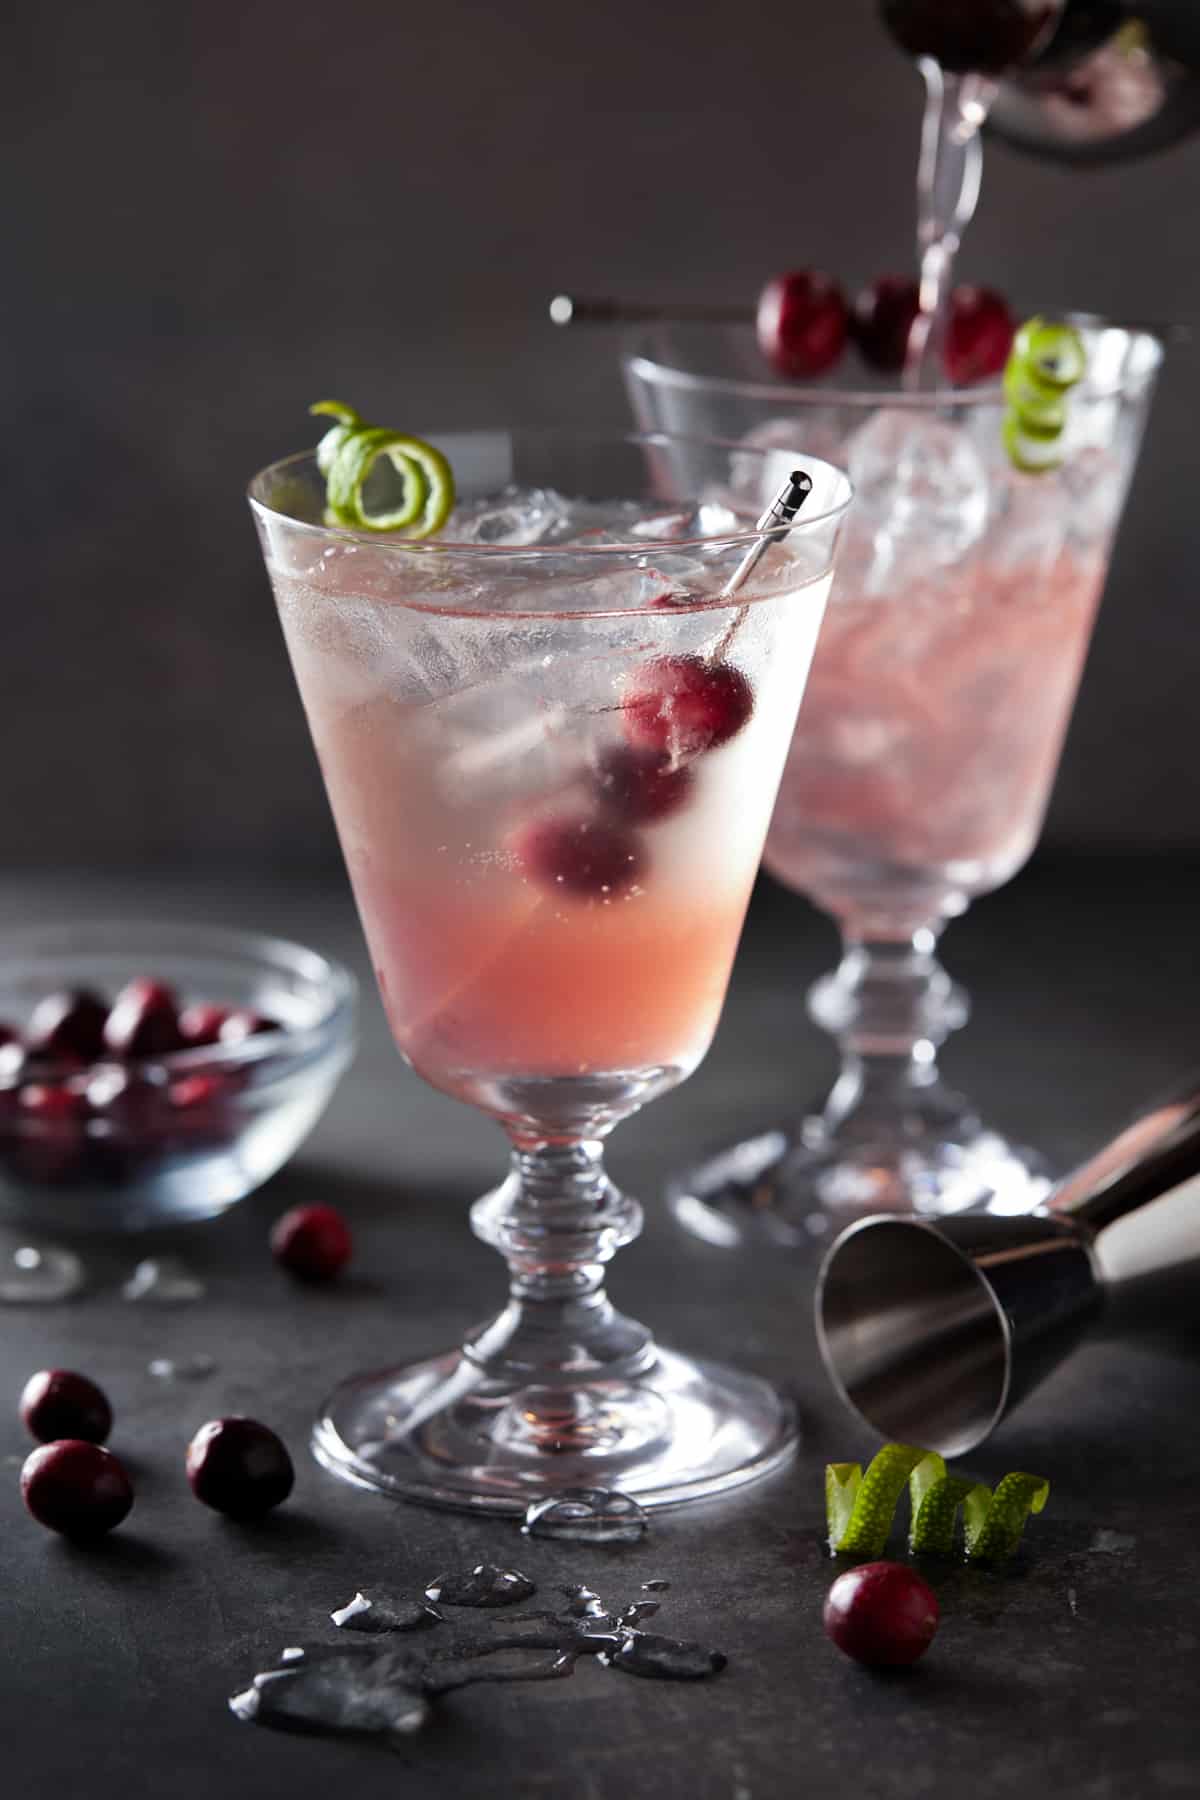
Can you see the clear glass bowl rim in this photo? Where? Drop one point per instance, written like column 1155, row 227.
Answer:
column 333, row 982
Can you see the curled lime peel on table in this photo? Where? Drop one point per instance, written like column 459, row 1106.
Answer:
column 860, row 1508
column 349, row 454
column 1047, row 360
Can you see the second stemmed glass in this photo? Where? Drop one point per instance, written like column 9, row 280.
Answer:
column 923, row 759
column 551, row 738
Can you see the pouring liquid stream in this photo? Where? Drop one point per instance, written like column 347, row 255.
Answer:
column 949, row 173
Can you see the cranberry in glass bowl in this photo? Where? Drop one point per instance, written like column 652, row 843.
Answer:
column 148, row 1112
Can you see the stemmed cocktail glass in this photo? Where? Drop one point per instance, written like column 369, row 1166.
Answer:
column 924, row 757
column 552, row 737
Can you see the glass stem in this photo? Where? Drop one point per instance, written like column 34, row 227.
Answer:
column 557, row 1220
column 891, row 1006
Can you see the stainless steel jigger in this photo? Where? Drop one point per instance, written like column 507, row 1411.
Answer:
column 932, row 1332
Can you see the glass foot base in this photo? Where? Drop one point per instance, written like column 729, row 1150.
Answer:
column 451, row 1432
column 796, row 1190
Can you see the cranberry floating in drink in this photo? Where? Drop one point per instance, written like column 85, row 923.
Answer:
column 551, row 791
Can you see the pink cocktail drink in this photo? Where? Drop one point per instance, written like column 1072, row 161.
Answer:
column 919, row 774
column 552, row 738
column 501, row 971
column 923, row 760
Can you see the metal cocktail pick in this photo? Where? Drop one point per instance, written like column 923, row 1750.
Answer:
column 933, row 1332
column 774, row 523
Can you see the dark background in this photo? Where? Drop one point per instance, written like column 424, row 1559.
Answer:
column 217, row 214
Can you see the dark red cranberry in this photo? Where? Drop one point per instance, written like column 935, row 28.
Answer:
column 245, row 1023
column 200, row 1110
column 640, row 785
column 193, row 1092
column 884, row 312
column 144, row 1021
column 128, row 1110
column 200, row 1025
column 57, row 1403
column 881, row 1613
column 682, row 706
column 131, row 1104
column 75, row 1487
column 239, row 1467
column 585, row 856
column 51, row 1123
column 313, row 1242
column 802, row 323
column 979, row 336
column 983, row 36
column 68, row 1025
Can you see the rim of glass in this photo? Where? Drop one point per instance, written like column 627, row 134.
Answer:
column 653, row 369
column 435, row 546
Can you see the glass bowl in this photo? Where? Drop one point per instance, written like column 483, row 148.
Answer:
column 127, row 1144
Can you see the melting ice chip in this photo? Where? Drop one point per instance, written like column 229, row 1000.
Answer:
column 163, row 1281
column 36, row 1274
column 587, row 1515
column 920, row 486
column 355, row 1691
column 514, row 517
column 484, row 1585
column 182, row 1368
column 380, row 1611
column 665, row 1658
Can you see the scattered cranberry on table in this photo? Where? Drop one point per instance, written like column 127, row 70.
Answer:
column 76, row 1488
column 882, row 1614
column 58, row 1403
column 239, row 1468
column 802, row 323
column 313, row 1242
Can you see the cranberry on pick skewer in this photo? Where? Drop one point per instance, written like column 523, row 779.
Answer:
column 802, row 323
column 979, row 335
column 884, row 314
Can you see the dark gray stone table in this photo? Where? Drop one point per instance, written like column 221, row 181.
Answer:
column 1076, row 1675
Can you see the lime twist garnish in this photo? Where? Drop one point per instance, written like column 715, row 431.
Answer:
column 420, row 491
column 1046, row 362
column 860, row 1507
